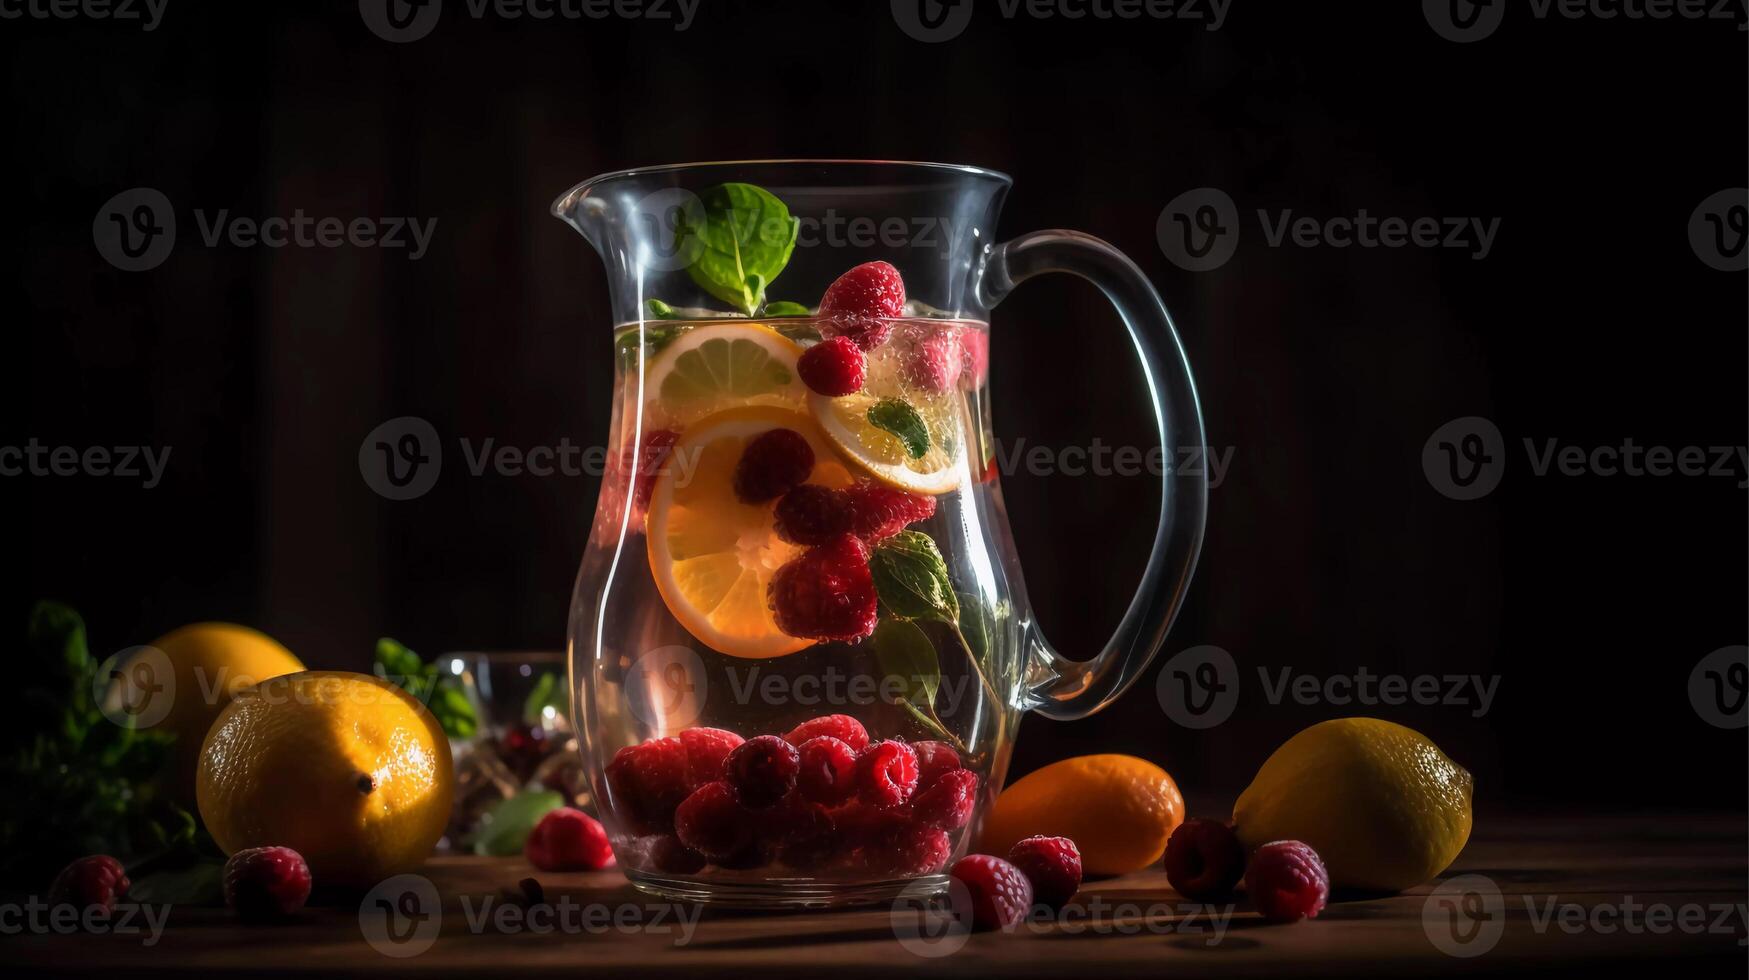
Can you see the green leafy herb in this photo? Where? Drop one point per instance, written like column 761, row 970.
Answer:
column 974, row 626
column 441, row 693
column 504, row 829
column 904, row 652
column 548, row 692
column 652, row 337
column 911, row 579
column 76, row 782
column 786, row 308
column 747, row 236
column 659, row 310
column 899, row 418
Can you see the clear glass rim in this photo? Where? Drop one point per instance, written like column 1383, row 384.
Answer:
column 563, row 202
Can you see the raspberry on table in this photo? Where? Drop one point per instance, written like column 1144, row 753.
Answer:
column 266, row 882
column 1204, row 859
column 1052, row 864
column 647, row 781
column 712, row 822
column 841, row 727
column 811, row 514
column 828, row 770
column 870, row 289
column 886, row 773
column 878, row 512
column 827, row 593
column 934, row 362
column 1000, row 895
column 762, row 770
column 934, row 760
column 706, row 748
column 834, row 367
column 1287, row 882
column 94, row 880
column 668, row 854
column 773, row 464
column 948, row 804
column 568, row 839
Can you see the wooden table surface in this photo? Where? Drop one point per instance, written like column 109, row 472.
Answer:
column 1573, row 896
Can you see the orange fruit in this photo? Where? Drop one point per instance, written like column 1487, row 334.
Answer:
column 711, row 555
column 1118, row 809
column 346, row 769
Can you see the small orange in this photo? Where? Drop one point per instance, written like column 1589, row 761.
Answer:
column 1118, row 809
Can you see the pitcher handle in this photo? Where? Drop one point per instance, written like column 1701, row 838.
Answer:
column 1076, row 689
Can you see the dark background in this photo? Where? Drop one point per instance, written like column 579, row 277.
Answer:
column 1326, row 370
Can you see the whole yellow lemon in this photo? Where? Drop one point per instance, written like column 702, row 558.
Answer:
column 209, row 664
column 1380, row 803
column 1118, row 809
column 346, row 769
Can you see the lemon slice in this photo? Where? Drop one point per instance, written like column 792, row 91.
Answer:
column 845, row 421
column 711, row 368
column 711, row 555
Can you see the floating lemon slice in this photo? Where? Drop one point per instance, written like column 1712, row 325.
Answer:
column 876, row 448
column 711, row 555
column 711, row 368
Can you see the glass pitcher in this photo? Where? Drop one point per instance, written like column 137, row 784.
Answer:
column 799, row 643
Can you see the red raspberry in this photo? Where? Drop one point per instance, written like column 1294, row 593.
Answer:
column 1053, row 865
column 668, row 854
column 934, row 760
column 568, row 840
column 870, row 289
column 833, row 367
column 798, row 833
column 95, row 880
column 934, row 362
column 811, row 514
column 773, row 464
column 1001, row 896
column 974, row 358
column 647, row 781
column 1287, row 881
column 762, row 770
column 865, row 331
column 828, row 771
column 1204, row 859
column 948, row 804
column 266, row 882
column 878, row 512
column 712, row 822
column 827, row 593
column 706, row 748
column 886, row 773
column 890, row 845
column 841, row 727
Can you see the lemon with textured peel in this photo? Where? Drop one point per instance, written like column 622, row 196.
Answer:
column 1380, row 803
column 713, row 367
column 1118, row 809
column 346, row 769
column 882, row 427
column 711, row 555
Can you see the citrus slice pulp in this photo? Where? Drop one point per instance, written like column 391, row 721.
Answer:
column 845, row 421
column 713, row 367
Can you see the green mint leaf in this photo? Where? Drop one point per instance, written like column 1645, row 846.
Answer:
column 57, row 636
column 438, row 691
column 659, row 310
column 504, row 829
column 548, row 693
column 786, row 308
column 904, row 652
column 911, row 578
column 398, row 663
column 747, row 237
column 902, row 421
column 974, row 626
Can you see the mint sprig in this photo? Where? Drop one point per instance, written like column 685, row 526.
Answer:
column 747, row 236
column 899, row 418
column 440, row 692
